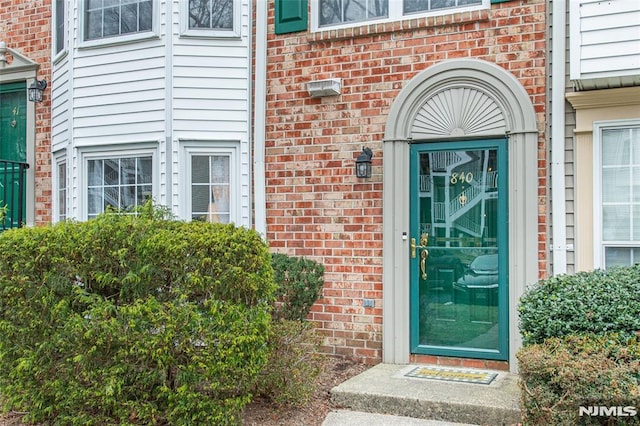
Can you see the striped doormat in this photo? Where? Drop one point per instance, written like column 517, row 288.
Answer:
column 452, row 374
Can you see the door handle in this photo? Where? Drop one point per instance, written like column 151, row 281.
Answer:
column 424, row 241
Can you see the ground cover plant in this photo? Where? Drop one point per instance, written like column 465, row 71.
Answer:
column 133, row 319
column 581, row 348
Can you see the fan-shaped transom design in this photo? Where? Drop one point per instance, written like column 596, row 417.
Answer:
column 457, row 112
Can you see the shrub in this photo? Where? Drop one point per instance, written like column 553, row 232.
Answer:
column 587, row 302
column 294, row 363
column 133, row 319
column 562, row 374
column 294, row 360
column 299, row 282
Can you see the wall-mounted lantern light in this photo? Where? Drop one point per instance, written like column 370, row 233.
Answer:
column 363, row 163
column 36, row 89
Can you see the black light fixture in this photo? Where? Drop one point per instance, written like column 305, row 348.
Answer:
column 36, row 89
column 363, row 163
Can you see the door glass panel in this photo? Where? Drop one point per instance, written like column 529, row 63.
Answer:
column 457, row 265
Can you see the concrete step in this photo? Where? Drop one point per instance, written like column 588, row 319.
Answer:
column 385, row 389
column 358, row 418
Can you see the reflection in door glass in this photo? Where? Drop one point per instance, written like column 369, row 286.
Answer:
column 458, row 209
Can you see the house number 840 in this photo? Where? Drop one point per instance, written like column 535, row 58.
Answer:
column 461, row 177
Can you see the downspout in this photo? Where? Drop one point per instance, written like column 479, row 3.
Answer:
column 259, row 190
column 166, row 196
column 558, row 199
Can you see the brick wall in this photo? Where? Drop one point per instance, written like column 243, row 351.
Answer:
column 316, row 207
column 25, row 26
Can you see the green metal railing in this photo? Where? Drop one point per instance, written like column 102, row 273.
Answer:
column 12, row 194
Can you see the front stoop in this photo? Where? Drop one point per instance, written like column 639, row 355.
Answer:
column 385, row 389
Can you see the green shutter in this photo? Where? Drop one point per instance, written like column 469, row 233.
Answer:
column 498, row 1
column 291, row 16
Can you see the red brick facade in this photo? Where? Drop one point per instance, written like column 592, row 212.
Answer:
column 25, row 26
column 316, row 207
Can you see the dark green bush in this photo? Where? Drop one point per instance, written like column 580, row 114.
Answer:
column 587, row 302
column 131, row 319
column 299, row 282
column 562, row 374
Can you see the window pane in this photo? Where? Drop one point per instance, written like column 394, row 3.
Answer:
column 59, row 25
column 95, row 172
column 146, row 16
column 617, row 256
column 129, row 18
column 143, row 194
column 111, row 172
column 636, row 223
column 93, row 25
column 635, row 145
column 616, row 222
column 222, row 14
column 199, row 169
column 111, row 21
column 199, row 198
column 144, row 170
column 111, row 197
column 615, row 147
column 94, row 201
column 127, row 197
column 128, row 170
column 617, row 182
column 220, row 169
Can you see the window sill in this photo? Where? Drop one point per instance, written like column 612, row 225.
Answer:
column 426, row 22
column 119, row 40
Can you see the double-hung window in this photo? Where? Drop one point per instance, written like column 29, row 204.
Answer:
column 617, row 153
column 210, row 187
column 332, row 13
column 211, row 18
column 120, row 182
column 112, row 18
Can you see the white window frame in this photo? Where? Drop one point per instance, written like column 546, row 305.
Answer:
column 55, row 55
column 121, row 38
column 59, row 159
column 395, row 14
column 235, row 31
column 598, row 243
column 103, row 153
column 232, row 149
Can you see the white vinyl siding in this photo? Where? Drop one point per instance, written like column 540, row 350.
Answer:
column 605, row 39
column 617, row 159
column 155, row 91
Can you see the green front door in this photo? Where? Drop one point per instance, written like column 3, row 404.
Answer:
column 458, row 253
column 13, row 148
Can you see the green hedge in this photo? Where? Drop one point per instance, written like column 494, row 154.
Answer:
column 133, row 319
column 559, row 376
column 588, row 302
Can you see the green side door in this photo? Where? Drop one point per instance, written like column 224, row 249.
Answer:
column 458, row 254
column 13, row 148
